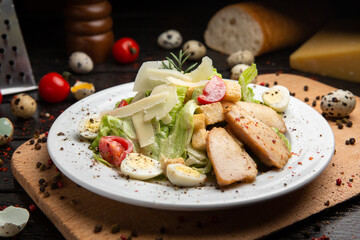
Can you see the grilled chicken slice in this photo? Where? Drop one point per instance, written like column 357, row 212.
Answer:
column 231, row 163
column 265, row 114
column 257, row 136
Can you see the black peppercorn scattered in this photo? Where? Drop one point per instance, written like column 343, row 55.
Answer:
column 306, row 88
column 41, row 181
column 134, row 233
column 37, row 146
column 317, row 227
column 97, row 228
column 38, row 164
column 306, row 99
column 115, row 228
column 349, row 124
column 352, row 141
column 327, row 203
column 42, row 188
column 46, row 194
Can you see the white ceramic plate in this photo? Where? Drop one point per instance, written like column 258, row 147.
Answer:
column 311, row 138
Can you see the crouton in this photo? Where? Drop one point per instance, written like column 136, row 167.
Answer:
column 189, row 93
column 233, row 91
column 198, row 140
column 213, row 113
column 166, row 161
column 199, row 121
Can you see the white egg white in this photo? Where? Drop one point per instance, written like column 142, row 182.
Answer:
column 89, row 126
column 140, row 167
column 277, row 97
column 184, row 176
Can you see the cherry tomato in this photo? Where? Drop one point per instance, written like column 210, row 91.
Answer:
column 53, row 87
column 114, row 149
column 1, row 97
column 214, row 91
column 125, row 50
column 122, row 103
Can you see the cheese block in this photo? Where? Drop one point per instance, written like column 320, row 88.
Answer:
column 334, row 51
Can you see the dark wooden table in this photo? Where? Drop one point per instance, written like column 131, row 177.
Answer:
column 43, row 31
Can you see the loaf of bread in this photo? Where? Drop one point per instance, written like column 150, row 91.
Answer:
column 262, row 27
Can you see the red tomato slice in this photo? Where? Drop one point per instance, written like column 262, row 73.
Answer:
column 122, row 103
column 114, row 149
column 214, row 91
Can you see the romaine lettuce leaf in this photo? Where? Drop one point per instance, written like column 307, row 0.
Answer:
column 246, row 77
column 180, row 134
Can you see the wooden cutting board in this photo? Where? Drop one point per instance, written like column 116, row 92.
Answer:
column 75, row 211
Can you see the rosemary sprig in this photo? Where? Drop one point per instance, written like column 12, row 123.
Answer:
column 178, row 62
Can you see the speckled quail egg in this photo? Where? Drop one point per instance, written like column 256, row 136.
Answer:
column 82, row 89
column 338, row 103
column 184, row 176
column 23, row 106
column 140, row 167
column 170, row 39
column 196, row 49
column 13, row 220
column 241, row 56
column 237, row 70
column 6, row 131
column 80, row 62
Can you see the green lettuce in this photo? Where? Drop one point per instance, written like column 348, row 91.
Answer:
column 181, row 93
column 246, row 77
column 282, row 136
column 180, row 134
column 197, row 160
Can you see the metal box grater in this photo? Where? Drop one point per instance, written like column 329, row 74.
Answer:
column 15, row 70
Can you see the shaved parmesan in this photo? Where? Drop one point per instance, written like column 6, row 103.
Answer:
column 140, row 105
column 162, row 74
column 142, row 80
column 204, row 71
column 144, row 129
column 179, row 82
column 167, row 119
column 162, row 109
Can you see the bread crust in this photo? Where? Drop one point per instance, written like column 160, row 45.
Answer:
column 282, row 24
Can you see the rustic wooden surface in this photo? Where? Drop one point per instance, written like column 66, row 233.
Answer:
column 42, row 27
column 69, row 207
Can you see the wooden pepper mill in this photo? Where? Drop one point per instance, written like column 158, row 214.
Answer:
column 88, row 26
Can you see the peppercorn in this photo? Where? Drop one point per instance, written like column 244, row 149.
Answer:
column 134, row 233
column 306, row 88
column 41, row 181
column 352, row 141
column 317, row 97
column 54, row 185
column 97, row 228
column 306, row 99
column 42, row 188
column 46, row 194
column 37, row 146
column 267, row 85
column 115, row 228
column 314, row 103
column 42, row 167
column 327, row 203
column 340, row 126
column 338, row 181
column 347, row 142
column 38, row 164
column 349, row 124
column 60, row 184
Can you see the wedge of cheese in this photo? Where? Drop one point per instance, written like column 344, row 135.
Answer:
column 334, row 51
